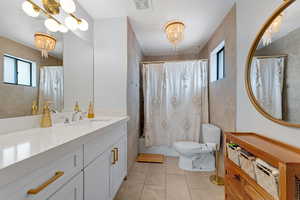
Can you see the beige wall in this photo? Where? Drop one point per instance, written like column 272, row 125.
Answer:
column 133, row 95
column 288, row 45
column 16, row 100
column 222, row 93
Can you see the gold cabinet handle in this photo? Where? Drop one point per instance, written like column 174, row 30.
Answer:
column 46, row 184
column 114, row 156
column 117, row 152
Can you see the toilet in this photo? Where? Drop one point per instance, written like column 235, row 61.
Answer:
column 195, row 156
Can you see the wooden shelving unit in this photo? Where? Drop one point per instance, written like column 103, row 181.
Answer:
column 240, row 186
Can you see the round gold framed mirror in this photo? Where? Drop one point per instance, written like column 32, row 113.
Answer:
column 273, row 67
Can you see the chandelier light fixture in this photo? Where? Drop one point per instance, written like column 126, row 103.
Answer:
column 274, row 28
column 175, row 32
column 45, row 43
column 50, row 9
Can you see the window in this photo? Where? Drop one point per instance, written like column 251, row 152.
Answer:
column 19, row 71
column 220, row 63
column 217, row 63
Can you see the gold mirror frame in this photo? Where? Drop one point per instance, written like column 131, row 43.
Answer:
column 254, row 46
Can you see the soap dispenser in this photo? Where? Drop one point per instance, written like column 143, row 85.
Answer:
column 46, row 121
column 91, row 113
column 34, row 108
column 77, row 108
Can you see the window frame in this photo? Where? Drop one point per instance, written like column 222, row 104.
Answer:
column 222, row 50
column 214, row 66
column 16, row 70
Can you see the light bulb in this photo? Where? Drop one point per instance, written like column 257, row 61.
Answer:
column 277, row 23
column 51, row 25
column 83, row 25
column 68, row 5
column 29, row 10
column 71, row 23
column 63, row 28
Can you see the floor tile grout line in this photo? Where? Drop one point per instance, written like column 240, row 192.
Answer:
column 166, row 188
column 188, row 186
column 142, row 191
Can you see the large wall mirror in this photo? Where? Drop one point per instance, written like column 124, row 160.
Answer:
column 273, row 69
column 31, row 75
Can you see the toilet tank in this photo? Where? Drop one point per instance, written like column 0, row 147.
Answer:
column 211, row 134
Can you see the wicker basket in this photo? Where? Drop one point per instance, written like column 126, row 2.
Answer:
column 297, row 197
column 233, row 153
column 267, row 177
column 247, row 162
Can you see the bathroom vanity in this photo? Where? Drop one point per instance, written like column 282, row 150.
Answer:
column 85, row 160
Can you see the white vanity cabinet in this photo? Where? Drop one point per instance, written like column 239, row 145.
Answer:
column 104, row 175
column 96, row 178
column 44, row 182
column 118, row 169
column 73, row 190
column 89, row 167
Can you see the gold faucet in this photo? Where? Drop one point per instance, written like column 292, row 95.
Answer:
column 46, row 121
column 34, row 108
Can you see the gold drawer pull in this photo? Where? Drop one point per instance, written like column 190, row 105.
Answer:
column 46, row 184
column 117, row 152
column 114, row 156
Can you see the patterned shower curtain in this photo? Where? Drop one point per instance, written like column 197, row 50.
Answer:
column 52, row 87
column 176, row 101
column 267, row 77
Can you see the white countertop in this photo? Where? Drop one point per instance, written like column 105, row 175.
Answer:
column 22, row 145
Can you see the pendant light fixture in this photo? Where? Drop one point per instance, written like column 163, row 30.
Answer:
column 45, row 43
column 274, row 28
column 175, row 32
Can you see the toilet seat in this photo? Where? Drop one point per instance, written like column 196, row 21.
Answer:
column 187, row 145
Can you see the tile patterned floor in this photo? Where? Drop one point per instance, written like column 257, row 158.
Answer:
column 166, row 181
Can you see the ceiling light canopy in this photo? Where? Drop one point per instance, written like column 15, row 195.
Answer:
column 45, row 43
column 175, row 32
column 52, row 8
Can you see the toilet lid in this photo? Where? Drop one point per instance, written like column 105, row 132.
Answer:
column 187, row 145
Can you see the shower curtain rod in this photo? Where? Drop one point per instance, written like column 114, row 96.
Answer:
column 163, row 61
column 274, row 56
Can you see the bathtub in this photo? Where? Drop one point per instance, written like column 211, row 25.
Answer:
column 163, row 149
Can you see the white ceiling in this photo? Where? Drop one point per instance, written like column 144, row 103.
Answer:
column 201, row 17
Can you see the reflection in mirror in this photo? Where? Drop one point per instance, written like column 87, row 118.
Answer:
column 275, row 68
column 29, row 75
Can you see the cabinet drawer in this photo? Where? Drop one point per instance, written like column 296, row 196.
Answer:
column 102, row 142
column 73, row 190
column 45, row 181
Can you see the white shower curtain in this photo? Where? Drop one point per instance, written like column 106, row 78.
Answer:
column 267, row 75
column 176, row 101
column 52, row 87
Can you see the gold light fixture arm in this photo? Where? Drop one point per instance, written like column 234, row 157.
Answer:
column 50, row 7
